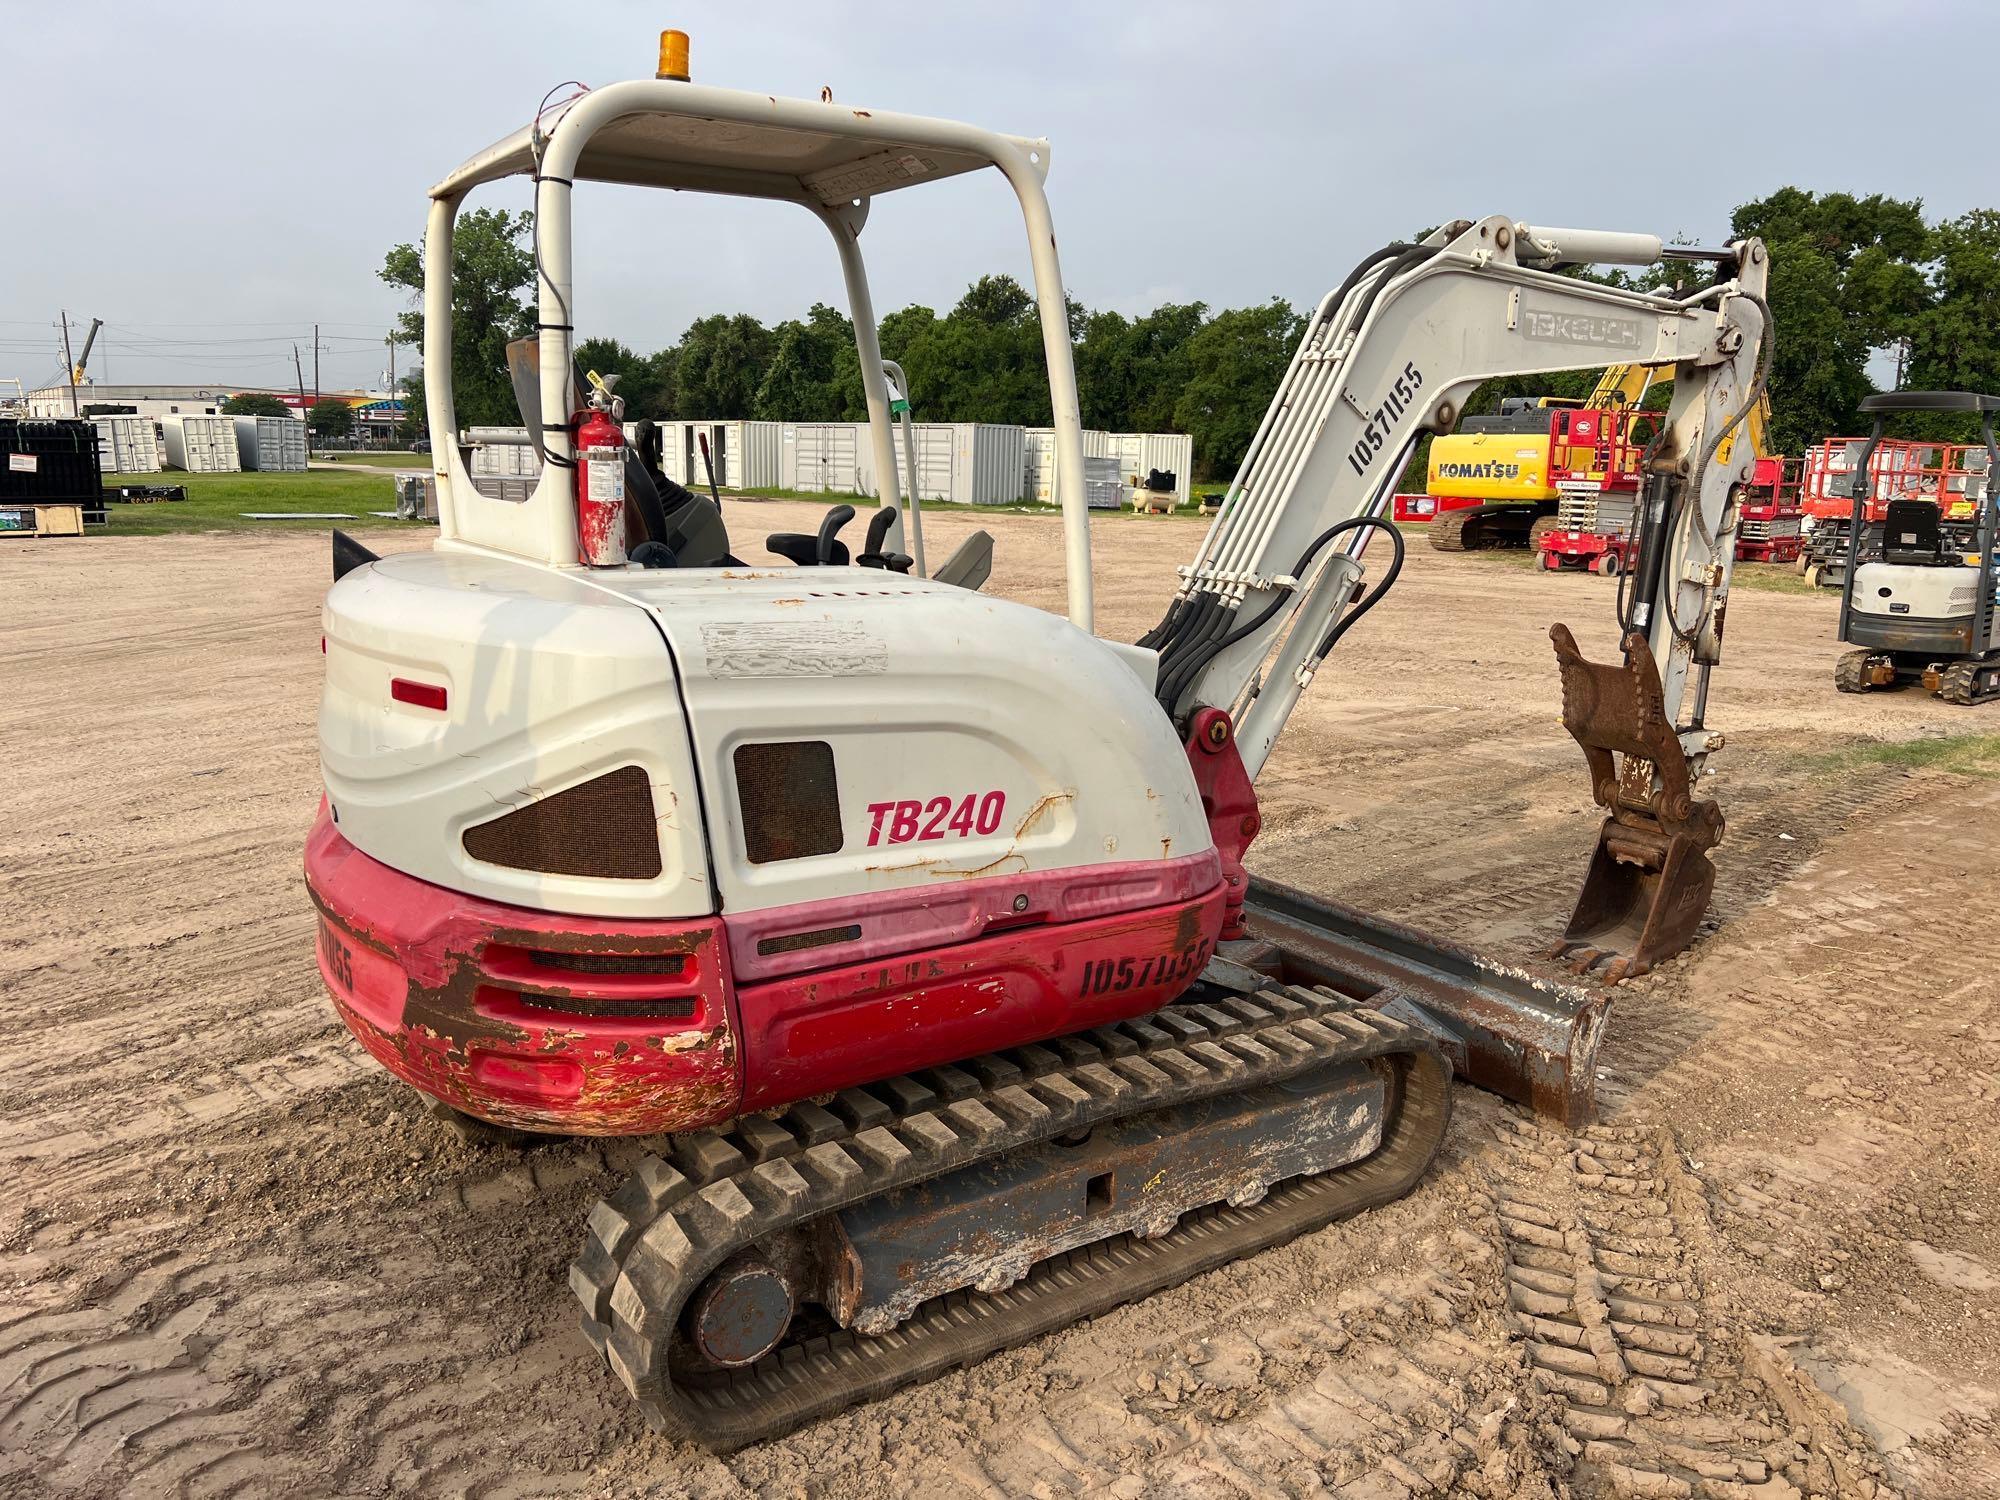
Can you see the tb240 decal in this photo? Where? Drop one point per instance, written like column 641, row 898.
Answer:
column 1402, row 396
column 912, row 821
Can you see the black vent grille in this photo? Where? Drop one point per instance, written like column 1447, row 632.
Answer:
column 791, row 807
column 603, row 828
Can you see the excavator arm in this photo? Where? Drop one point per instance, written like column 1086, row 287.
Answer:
column 1395, row 352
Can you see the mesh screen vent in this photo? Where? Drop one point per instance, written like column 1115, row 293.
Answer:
column 603, row 828
column 791, row 807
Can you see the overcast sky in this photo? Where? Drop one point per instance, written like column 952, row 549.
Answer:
column 211, row 179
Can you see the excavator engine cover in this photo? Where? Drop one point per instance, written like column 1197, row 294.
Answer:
column 1650, row 877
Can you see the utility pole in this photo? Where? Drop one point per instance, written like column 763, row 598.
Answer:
column 315, row 364
column 299, row 370
column 69, row 367
column 391, row 342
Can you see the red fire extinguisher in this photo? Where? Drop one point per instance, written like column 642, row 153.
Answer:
column 600, row 478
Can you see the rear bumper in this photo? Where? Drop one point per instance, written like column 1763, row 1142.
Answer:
column 536, row 1020
column 594, row 1026
column 1914, row 633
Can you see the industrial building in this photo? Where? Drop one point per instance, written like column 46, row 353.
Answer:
column 377, row 414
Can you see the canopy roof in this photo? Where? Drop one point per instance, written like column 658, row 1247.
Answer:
column 657, row 133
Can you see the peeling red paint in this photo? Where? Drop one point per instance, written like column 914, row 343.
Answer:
column 436, row 985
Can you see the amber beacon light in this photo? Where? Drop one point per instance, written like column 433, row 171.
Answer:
column 674, row 56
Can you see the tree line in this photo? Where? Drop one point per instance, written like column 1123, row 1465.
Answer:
column 1853, row 279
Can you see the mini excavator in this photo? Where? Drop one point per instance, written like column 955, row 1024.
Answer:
column 911, row 924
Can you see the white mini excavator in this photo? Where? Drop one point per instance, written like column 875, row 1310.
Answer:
column 911, row 922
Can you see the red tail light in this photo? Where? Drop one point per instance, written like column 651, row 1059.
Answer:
column 417, row 694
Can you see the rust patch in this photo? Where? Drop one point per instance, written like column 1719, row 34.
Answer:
column 1034, row 813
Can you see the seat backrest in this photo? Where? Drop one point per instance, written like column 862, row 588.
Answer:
column 1910, row 532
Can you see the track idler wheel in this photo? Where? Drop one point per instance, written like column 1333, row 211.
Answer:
column 1650, row 877
column 740, row 1313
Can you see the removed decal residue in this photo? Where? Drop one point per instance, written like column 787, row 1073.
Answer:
column 792, row 648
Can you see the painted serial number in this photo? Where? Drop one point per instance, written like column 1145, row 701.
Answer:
column 915, row 821
column 1109, row 976
column 1402, row 396
column 333, row 953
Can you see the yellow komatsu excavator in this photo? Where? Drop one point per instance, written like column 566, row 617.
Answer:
column 1490, row 480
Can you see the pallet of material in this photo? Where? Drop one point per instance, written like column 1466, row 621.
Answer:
column 41, row 520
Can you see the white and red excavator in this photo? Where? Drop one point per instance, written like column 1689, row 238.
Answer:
column 912, row 922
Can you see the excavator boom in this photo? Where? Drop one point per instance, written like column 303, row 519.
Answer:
column 1396, row 351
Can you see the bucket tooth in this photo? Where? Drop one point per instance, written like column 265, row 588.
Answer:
column 1650, row 877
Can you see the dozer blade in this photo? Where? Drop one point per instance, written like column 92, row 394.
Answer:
column 1650, row 877
column 1520, row 1037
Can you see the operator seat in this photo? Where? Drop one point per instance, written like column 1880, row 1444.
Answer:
column 1910, row 534
column 679, row 529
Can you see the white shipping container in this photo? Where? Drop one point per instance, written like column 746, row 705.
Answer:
column 745, row 455
column 824, row 458
column 127, row 445
column 271, row 444
column 1138, row 453
column 504, row 452
column 1041, row 451
column 201, row 445
column 967, row 463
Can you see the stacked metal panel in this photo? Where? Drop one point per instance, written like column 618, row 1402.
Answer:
column 201, row 445
column 127, row 445
column 1041, row 483
column 271, row 444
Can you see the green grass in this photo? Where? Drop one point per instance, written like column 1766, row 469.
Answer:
column 215, row 502
column 1967, row 754
column 376, row 460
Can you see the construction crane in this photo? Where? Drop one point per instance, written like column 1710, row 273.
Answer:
column 916, row 919
column 83, row 359
column 1492, row 483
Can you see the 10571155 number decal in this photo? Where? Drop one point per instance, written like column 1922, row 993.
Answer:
column 1109, row 976
column 914, row 821
column 1401, row 397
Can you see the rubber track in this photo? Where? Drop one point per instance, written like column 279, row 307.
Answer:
column 652, row 1242
column 1447, row 532
column 1957, row 684
column 1847, row 672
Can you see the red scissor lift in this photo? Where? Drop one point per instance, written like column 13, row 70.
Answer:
column 1769, row 522
column 1961, row 481
column 1594, row 461
column 1900, row 470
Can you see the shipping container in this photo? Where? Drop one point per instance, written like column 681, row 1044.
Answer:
column 966, row 463
column 745, row 455
column 502, row 451
column 201, row 445
column 1139, row 453
column 271, row 444
column 127, row 445
column 825, row 458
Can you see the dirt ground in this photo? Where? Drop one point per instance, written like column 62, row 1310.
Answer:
column 238, row 1259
